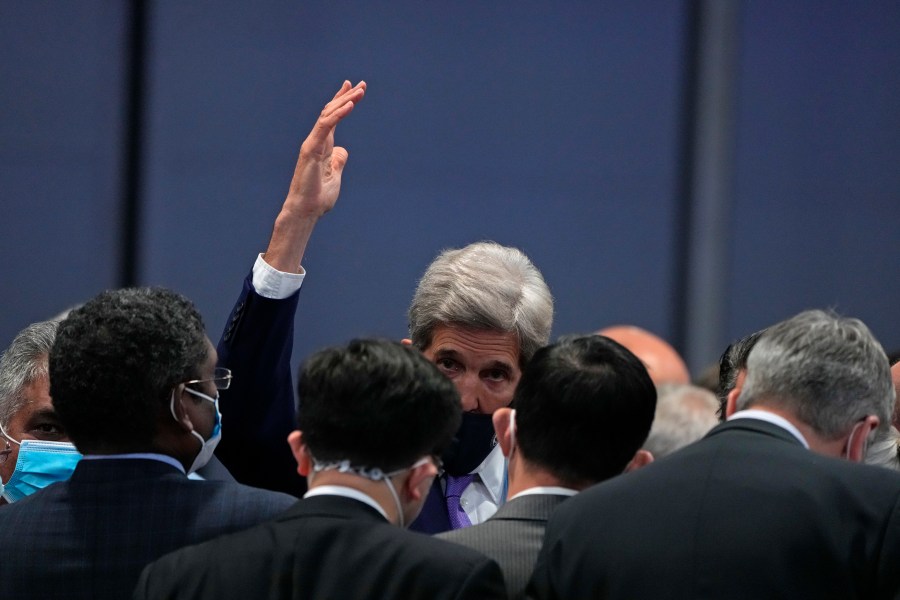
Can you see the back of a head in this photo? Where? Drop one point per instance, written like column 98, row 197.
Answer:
column 828, row 371
column 732, row 361
column 483, row 286
column 22, row 363
column 584, row 406
column 116, row 361
column 375, row 403
column 663, row 362
column 684, row 414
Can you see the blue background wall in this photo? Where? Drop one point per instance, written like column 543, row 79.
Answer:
column 554, row 127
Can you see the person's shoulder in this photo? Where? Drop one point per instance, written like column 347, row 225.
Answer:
column 238, row 493
column 429, row 548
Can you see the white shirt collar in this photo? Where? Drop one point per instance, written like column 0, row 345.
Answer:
column 769, row 417
column 137, row 455
column 546, row 489
column 346, row 492
column 492, row 472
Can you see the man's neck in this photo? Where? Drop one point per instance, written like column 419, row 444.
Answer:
column 817, row 443
column 524, row 476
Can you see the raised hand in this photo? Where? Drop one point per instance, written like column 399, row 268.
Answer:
column 316, row 183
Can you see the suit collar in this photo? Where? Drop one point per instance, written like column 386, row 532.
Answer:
column 756, row 426
column 122, row 469
column 339, row 507
column 532, row 507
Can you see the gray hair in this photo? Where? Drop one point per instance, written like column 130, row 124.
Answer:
column 483, row 286
column 22, row 363
column 884, row 451
column 684, row 414
column 828, row 371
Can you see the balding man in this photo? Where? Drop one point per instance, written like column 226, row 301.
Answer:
column 663, row 362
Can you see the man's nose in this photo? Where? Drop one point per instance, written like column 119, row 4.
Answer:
column 467, row 386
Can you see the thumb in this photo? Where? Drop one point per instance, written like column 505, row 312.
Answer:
column 339, row 159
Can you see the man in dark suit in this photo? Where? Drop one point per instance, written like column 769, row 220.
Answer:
column 373, row 416
column 770, row 504
column 583, row 408
column 134, row 384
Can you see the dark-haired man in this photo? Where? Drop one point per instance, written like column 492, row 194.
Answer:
column 373, row 416
column 584, row 407
column 768, row 505
column 134, row 383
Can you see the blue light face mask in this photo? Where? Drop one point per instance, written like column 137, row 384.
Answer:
column 39, row 464
column 207, row 447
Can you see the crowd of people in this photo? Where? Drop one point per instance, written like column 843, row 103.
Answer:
column 475, row 459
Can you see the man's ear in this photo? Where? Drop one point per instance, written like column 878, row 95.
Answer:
column 300, row 452
column 406, row 342
column 642, row 458
column 858, row 445
column 731, row 402
column 177, row 408
column 418, row 481
column 502, row 420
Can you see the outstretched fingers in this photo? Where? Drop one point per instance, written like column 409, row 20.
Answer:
column 340, row 106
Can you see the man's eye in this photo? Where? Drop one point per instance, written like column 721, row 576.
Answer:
column 447, row 365
column 48, row 431
column 496, row 375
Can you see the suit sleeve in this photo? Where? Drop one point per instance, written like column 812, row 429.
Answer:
column 258, row 410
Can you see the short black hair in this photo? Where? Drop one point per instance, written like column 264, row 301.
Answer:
column 730, row 364
column 116, row 360
column 584, row 406
column 376, row 403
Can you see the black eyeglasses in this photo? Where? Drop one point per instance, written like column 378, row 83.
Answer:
column 221, row 378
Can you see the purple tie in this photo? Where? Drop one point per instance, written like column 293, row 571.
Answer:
column 455, row 487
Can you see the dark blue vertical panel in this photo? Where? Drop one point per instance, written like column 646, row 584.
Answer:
column 60, row 126
column 549, row 126
column 817, row 219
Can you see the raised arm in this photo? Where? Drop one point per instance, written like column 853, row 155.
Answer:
column 315, row 185
column 258, row 410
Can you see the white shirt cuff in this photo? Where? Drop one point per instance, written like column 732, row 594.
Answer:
column 275, row 284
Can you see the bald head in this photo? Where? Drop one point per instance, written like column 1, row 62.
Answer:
column 663, row 363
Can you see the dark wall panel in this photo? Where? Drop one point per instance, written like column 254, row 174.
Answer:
column 60, row 140
column 547, row 126
column 817, row 220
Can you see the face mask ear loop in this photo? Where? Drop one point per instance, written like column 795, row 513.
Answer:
column 393, row 491
column 7, row 437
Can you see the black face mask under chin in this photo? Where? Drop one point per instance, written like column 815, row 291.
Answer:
column 473, row 441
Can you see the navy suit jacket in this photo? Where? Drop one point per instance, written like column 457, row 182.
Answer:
column 324, row 547
column 90, row 537
column 258, row 410
column 747, row 512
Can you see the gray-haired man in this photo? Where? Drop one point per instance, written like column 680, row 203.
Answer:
column 768, row 505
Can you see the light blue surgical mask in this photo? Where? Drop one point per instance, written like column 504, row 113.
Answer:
column 39, row 464
column 207, row 447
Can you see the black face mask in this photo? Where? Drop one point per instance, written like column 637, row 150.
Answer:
column 473, row 441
